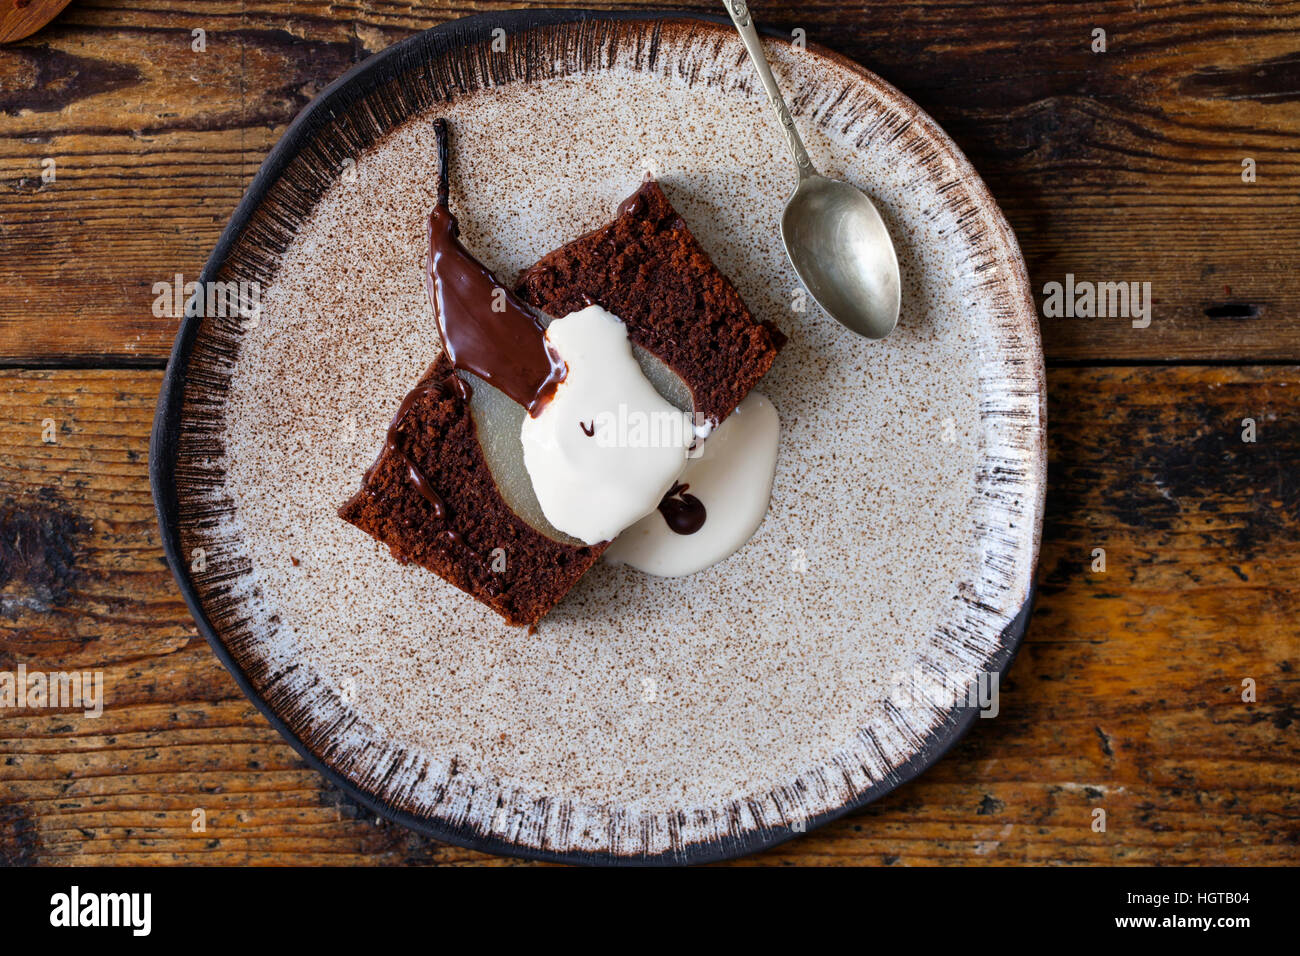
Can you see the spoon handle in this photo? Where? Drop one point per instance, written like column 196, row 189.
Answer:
column 745, row 24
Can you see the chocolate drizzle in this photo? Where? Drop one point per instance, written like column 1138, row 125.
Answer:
column 484, row 328
column 392, row 441
column 684, row 513
column 634, row 203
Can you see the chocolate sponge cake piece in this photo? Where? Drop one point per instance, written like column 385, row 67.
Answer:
column 431, row 498
column 648, row 269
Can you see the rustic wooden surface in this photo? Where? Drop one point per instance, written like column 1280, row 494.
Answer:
column 1117, row 166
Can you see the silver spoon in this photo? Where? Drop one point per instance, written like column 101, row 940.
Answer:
column 836, row 241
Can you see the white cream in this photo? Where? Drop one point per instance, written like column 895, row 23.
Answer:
column 605, row 450
column 733, row 480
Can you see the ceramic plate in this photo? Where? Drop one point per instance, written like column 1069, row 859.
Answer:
column 648, row 719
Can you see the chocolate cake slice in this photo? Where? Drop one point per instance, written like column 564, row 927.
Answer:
column 647, row 268
column 432, row 499
column 431, row 496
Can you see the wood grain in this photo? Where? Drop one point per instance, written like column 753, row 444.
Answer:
column 22, row 18
column 1115, row 166
column 1126, row 696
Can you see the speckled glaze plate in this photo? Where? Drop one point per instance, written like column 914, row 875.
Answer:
column 648, row 720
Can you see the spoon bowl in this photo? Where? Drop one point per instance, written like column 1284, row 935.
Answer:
column 841, row 251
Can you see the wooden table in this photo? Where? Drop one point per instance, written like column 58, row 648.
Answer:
column 1123, row 165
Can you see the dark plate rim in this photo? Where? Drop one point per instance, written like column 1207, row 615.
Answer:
column 164, row 439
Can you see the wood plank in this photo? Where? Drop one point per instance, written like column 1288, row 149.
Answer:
column 1126, row 697
column 1115, row 166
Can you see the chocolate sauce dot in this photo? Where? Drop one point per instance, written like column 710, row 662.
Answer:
column 684, row 513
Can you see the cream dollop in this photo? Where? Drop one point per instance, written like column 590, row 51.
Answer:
column 732, row 477
column 607, row 447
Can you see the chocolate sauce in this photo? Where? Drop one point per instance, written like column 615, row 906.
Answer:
column 684, row 513
column 484, row 328
column 634, row 203
column 438, row 389
column 589, row 432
